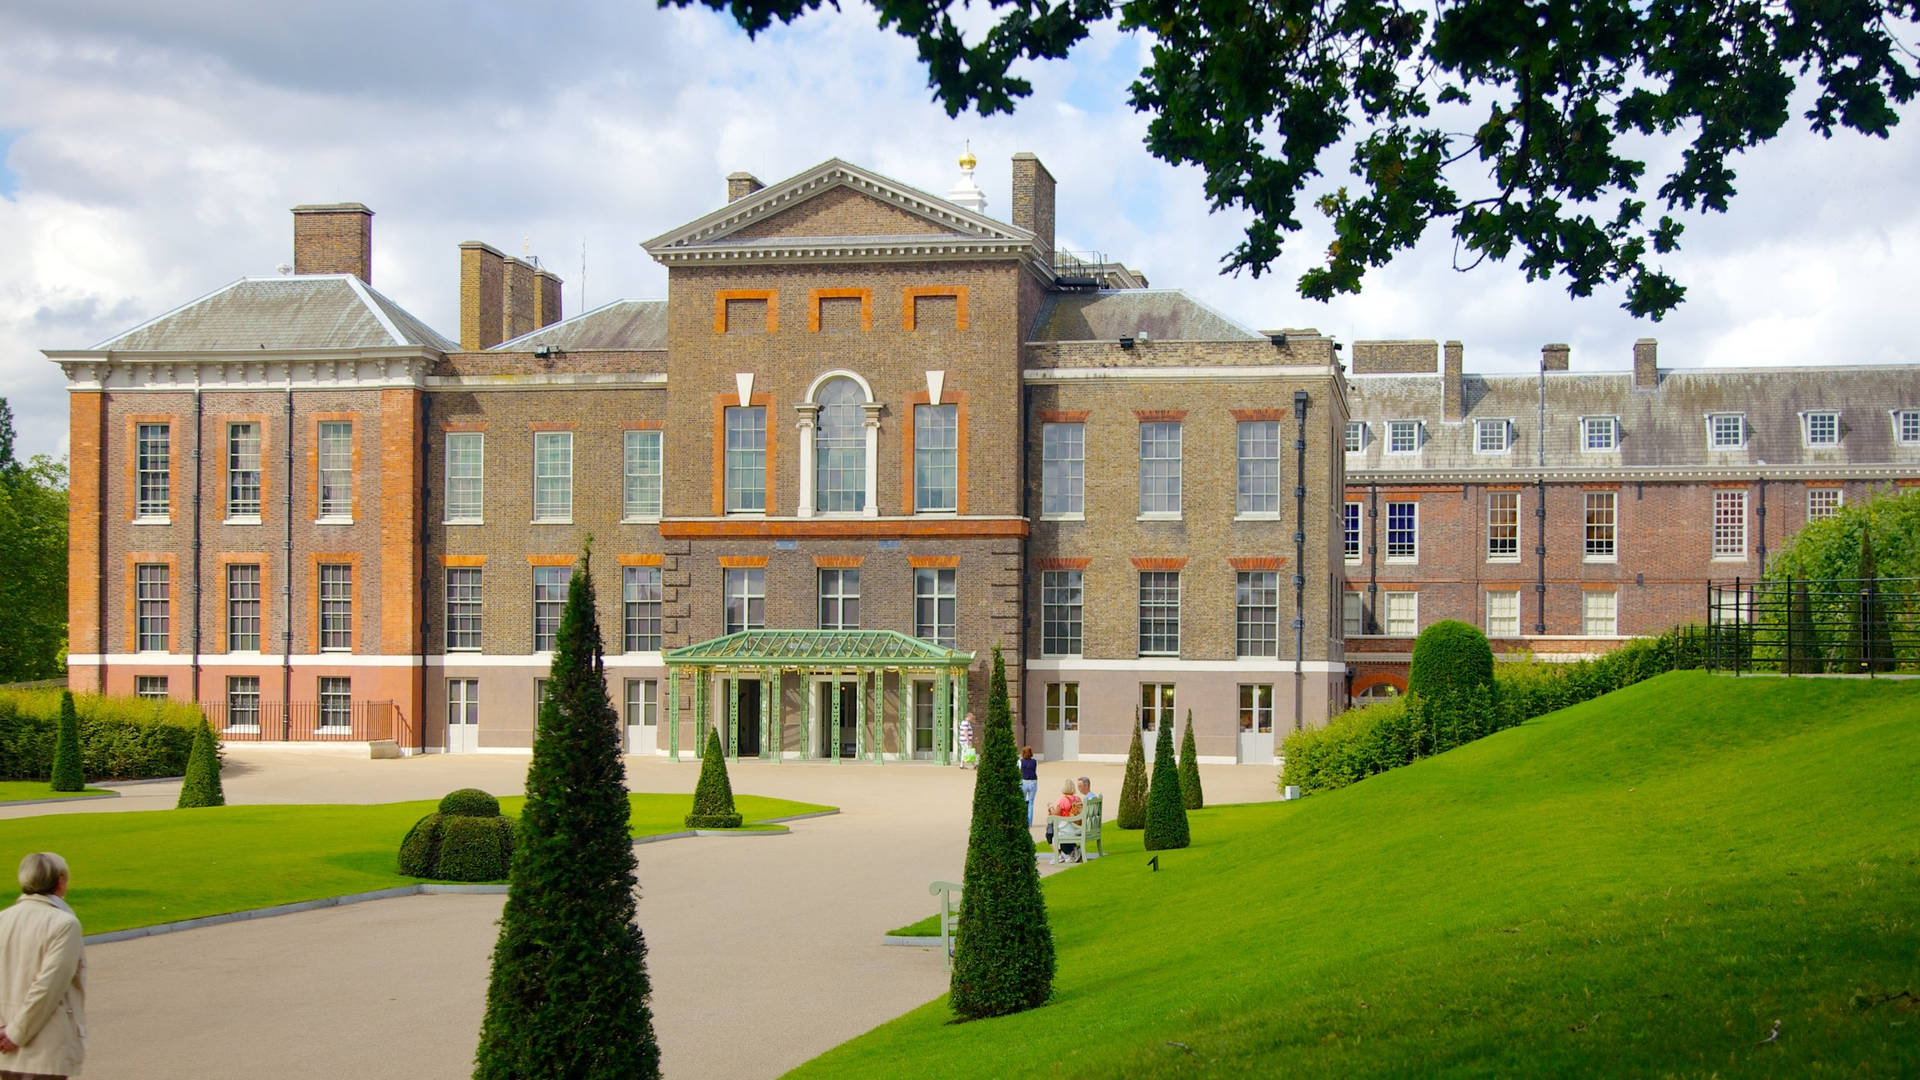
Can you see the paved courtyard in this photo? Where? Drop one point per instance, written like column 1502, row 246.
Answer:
column 763, row 951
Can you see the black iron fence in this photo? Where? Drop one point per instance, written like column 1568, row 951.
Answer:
column 1819, row 626
column 302, row 721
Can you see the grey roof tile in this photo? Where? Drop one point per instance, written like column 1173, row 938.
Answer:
column 320, row 311
column 623, row 324
column 1147, row 314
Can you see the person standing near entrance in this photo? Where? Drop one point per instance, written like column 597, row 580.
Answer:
column 968, row 754
column 1029, row 779
column 43, row 975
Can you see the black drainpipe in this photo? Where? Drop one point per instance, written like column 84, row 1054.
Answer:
column 1368, row 623
column 286, row 584
column 426, row 564
column 1299, row 554
column 1540, row 511
column 199, row 460
column 1763, row 526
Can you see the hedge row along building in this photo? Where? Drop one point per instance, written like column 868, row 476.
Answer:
column 870, row 434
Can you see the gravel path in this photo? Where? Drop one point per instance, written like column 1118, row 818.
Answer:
column 764, row 951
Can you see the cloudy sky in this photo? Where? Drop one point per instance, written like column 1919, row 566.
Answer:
column 149, row 154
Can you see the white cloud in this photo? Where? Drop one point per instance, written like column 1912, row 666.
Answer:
column 156, row 150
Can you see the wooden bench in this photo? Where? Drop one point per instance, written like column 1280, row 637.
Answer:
column 1087, row 824
column 949, row 894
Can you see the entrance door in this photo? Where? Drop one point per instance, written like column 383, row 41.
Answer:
column 1062, row 739
column 749, row 717
column 823, row 718
column 463, row 716
column 923, row 697
column 643, row 715
column 1256, row 723
column 1156, row 708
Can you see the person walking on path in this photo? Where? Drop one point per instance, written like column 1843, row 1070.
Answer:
column 1029, row 779
column 969, row 754
column 43, row 976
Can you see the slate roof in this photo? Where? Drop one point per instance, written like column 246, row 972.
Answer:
column 315, row 311
column 623, row 324
column 1146, row 314
column 1665, row 427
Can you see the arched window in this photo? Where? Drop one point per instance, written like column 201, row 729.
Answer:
column 840, row 448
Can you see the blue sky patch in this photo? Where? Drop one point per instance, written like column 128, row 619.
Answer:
column 9, row 183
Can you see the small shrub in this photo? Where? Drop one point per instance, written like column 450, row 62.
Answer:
column 201, row 785
column 1166, row 813
column 458, row 842
column 470, row 802
column 67, row 775
column 1133, row 789
column 1449, row 657
column 1190, row 794
column 713, row 797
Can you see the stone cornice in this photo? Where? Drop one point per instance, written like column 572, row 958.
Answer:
column 1663, row 474
column 849, row 250
column 358, row 369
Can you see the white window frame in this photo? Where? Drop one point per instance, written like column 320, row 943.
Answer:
column 1717, row 429
column 1729, row 501
column 1153, row 614
column 549, row 605
column 642, row 492
column 1354, row 439
column 1820, row 507
column 1824, row 417
column 1497, row 622
column 243, row 690
column 936, row 462
column 1063, row 471
column 1352, row 538
column 1251, row 481
column 843, row 451
column 465, row 621
column 1160, row 472
column 244, row 484
column 839, row 587
column 1159, row 701
column 153, row 607
column 335, row 592
column 1256, row 707
column 1256, row 614
column 553, row 505
column 1502, row 428
column 1494, row 556
column 333, row 464
column 335, row 695
column 1063, row 706
column 1353, row 614
column 936, row 605
column 1906, row 426
column 1601, row 541
column 1406, row 556
column 642, row 605
column 150, row 687
column 1590, row 426
column 643, row 702
column 744, row 462
column 466, row 458
column 1410, row 428
column 1404, row 622
column 1063, row 600
column 748, row 586
column 238, row 613
column 153, row 474
column 1600, row 620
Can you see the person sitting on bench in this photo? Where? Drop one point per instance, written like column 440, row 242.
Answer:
column 1066, row 829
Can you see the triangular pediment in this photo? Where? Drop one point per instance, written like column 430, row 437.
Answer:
column 837, row 206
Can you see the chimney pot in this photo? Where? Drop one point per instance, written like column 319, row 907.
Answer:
column 333, row 238
column 1646, row 364
column 742, row 184
column 1453, row 381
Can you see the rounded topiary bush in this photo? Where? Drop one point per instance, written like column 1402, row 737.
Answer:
column 470, row 802
column 465, row 840
column 1449, row 657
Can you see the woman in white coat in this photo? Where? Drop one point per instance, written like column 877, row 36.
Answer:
column 43, row 975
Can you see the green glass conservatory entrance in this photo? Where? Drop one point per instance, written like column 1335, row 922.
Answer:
column 838, row 695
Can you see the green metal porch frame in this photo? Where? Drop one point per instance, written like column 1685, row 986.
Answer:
column 863, row 656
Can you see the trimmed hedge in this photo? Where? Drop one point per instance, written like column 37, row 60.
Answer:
column 469, row 802
column 1363, row 741
column 120, row 738
column 1449, row 657
column 458, row 842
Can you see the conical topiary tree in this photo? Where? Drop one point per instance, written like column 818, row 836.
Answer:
column 568, row 994
column 1133, row 789
column 201, row 785
column 1191, row 796
column 1166, row 814
column 1003, row 950
column 713, row 796
column 1803, row 654
column 67, row 774
column 1869, row 631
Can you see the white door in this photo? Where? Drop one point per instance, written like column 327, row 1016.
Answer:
column 643, row 715
column 463, row 716
column 1156, row 708
column 923, row 697
column 1062, row 739
column 1256, row 723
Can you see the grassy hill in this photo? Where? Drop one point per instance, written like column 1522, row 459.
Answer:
column 1641, row 885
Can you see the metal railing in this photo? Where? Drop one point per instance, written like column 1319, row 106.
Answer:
column 1818, row 626
column 303, row 721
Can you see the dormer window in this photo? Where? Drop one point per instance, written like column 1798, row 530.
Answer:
column 1906, row 426
column 1599, row 433
column 1726, row 431
column 1403, row 436
column 1492, row 436
column 1821, row 428
column 1356, row 436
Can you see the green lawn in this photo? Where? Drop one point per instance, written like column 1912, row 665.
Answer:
column 22, row 790
column 1640, row 885
column 137, row 869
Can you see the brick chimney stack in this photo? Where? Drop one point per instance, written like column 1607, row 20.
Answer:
column 1554, row 357
column 742, row 184
column 1453, row 391
column 1646, row 364
column 483, row 281
column 1033, row 200
column 517, row 302
column 334, row 238
column 546, row 299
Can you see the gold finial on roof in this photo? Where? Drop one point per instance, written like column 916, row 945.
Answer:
column 967, row 160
